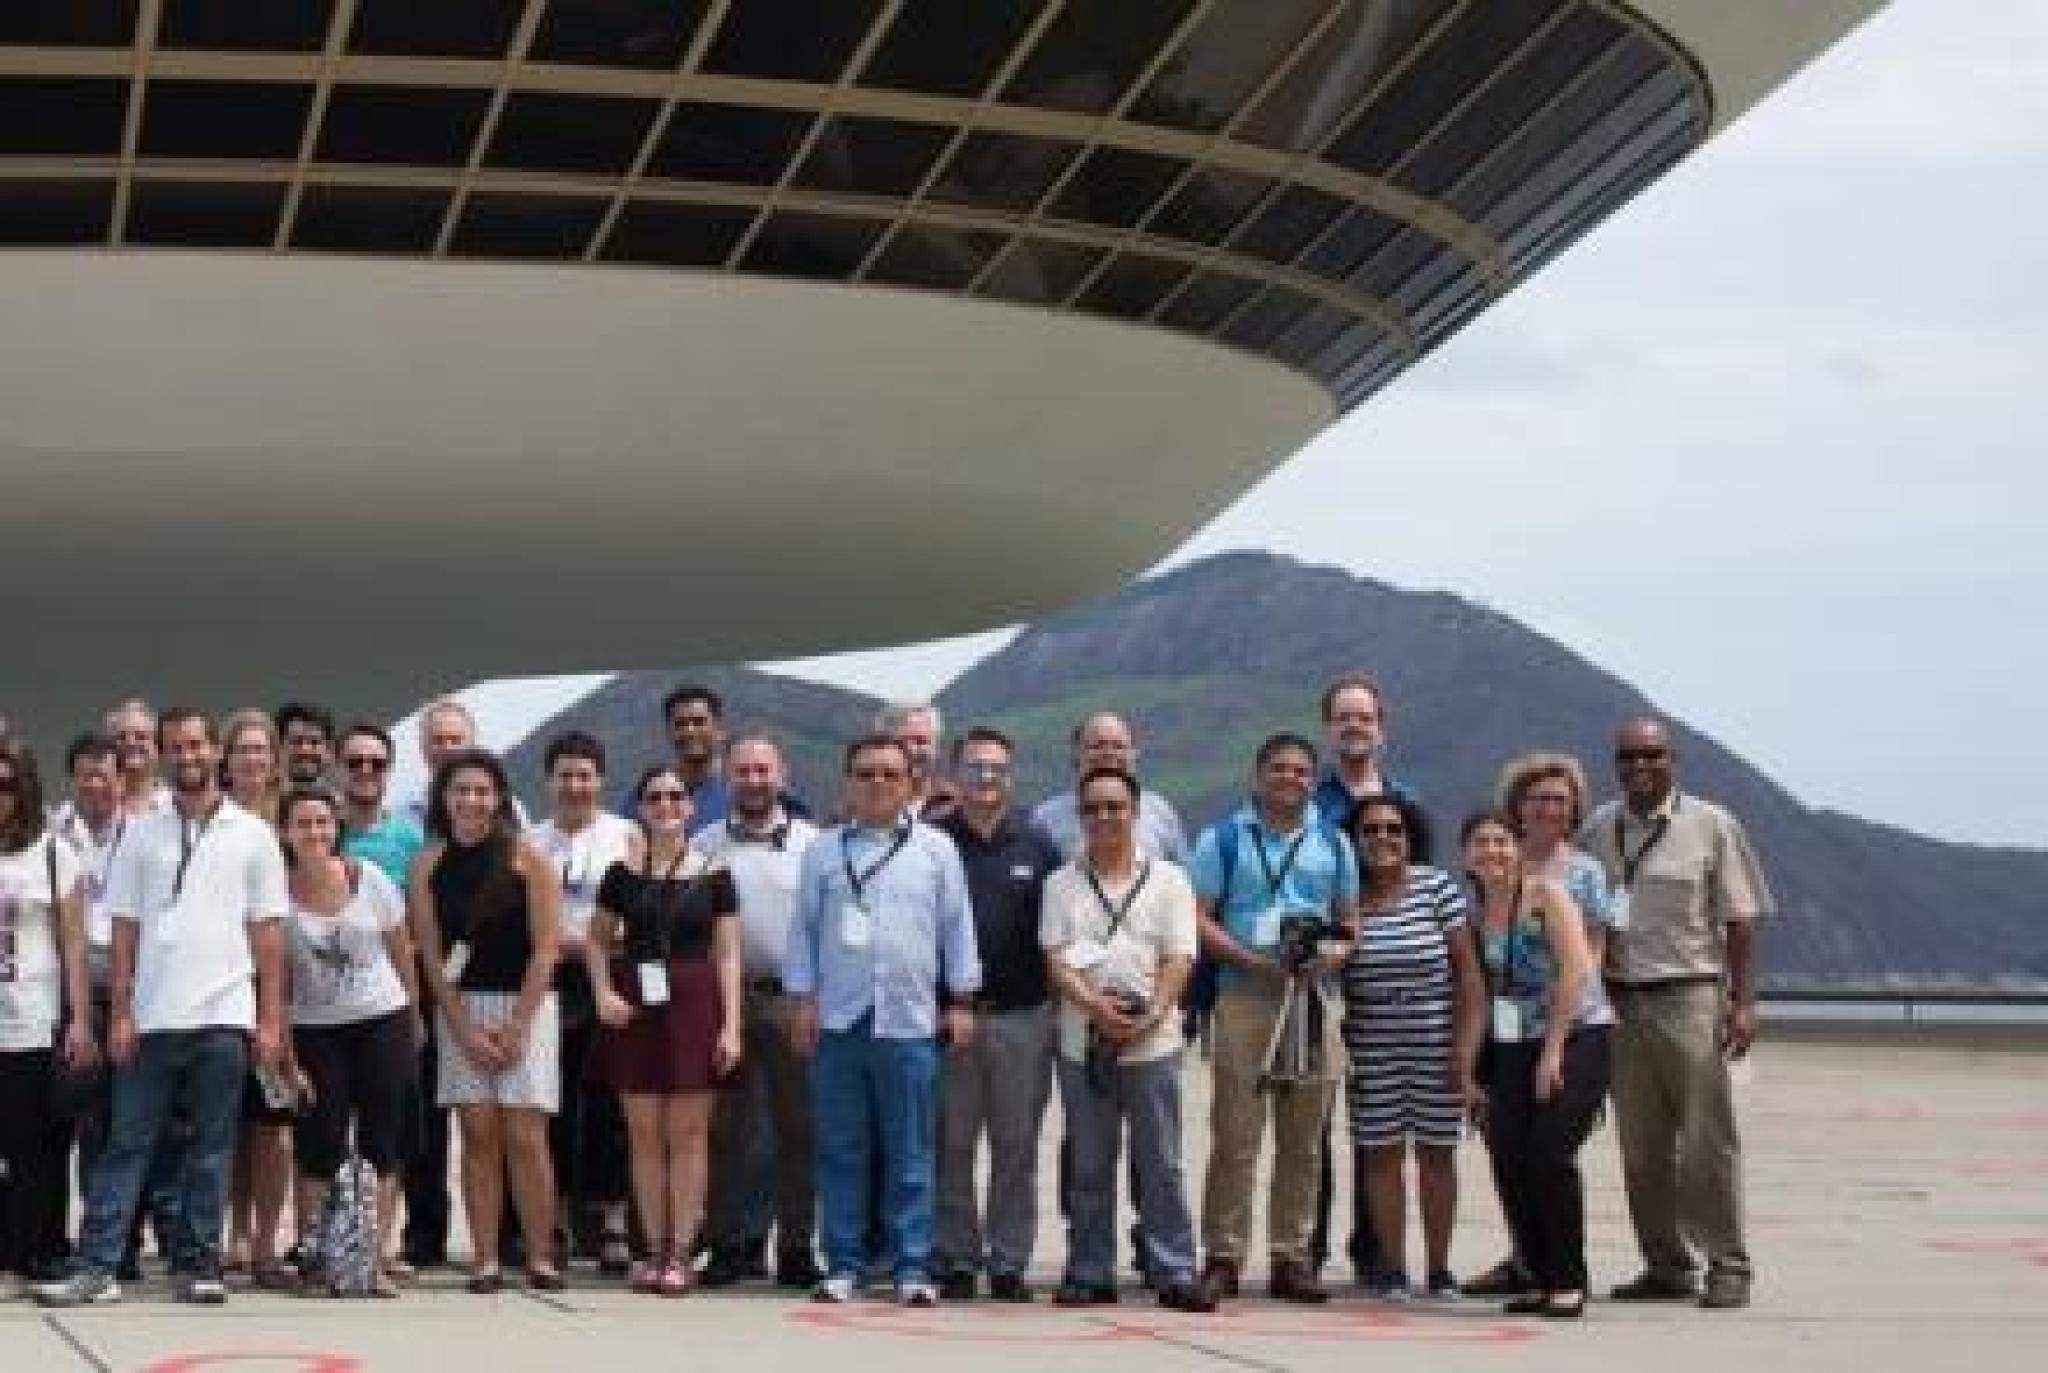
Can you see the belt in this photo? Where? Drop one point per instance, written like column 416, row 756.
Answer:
column 1664, row 984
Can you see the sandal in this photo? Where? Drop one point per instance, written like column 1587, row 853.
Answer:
column 677, row 1278
column 273, row 1275
column 543, row 1278
column 383, row 1285
column 644, row 1276
column 614, row 1253
column 486, row 1281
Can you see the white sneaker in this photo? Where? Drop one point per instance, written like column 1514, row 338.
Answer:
column 86, row 1287
column 917, row 1292
column 838, row 1289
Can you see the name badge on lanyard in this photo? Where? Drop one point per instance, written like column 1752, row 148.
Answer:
column 856, row 922
column 856, row 926
column 1617, row 909
column 653, row 984
column 1507, row 1020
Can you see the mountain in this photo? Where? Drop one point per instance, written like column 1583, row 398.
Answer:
column 1209, row 658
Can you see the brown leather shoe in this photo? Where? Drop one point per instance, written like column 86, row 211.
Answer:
column 1218, row 1280
column 1295, row 1281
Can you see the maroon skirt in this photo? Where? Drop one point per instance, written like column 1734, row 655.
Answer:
column 663, row 1049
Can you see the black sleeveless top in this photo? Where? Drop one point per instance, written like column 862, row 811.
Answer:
column 481, row 904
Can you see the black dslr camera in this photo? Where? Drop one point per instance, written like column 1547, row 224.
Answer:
column 1299, row 936
column 1099, row 1065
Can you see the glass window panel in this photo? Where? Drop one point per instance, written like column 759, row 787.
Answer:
column 1337, row 252
column 61, row 116
column 949, row 47
column 526, row 226
column 730, row 143
column 1208, row 207
column 426, row 126
column 1207, row 302
column 1115, row 186
column 1259, row 325
column 370, row 219
column 935, row 257
column 1340, row 68
column 1387, row 269
column 1455, row 63
column 1091, row 54
column 204, row 214
column 252, row 25
column 1345, row 346
column 675, row 235
column 1131, row 286
column 1541, row 73
column 443, row 28
column 1605, row 151
column 68, row 23
column 820, row 247
column 1003, row 171
column 55, row 211
column 872, row 156
column 1231, row 51
column 649, row 34
column 1633, row 166
column 794, row 40
column 1311, row 334
column 260, row 119
column 1288, row 223
column 1040, row 271
column 541, row 131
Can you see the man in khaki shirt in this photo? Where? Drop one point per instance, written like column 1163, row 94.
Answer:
column 1681, row 970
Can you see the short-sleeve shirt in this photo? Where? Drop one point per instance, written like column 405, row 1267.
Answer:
column 663, row 917
column 1693, row 872
column 392, row 843
column 1304, row 873
column 1405, row 953
column 31, row 974
column 1006, row 875
column 1158, row 925
column 194, row 886
column 1159, row 831
column 340, row 965
column 764, row 865
column 583, row 857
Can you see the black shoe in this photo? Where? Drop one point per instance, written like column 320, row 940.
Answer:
column 1185, row 1296
column 1505, row 1279
column 957, row 1285
column 1009, row 1287
column 130, row 1269
column 799, row 1271
column 1650, row 1285
column 1528, row 1304
column 1565, row 1305
column 753, row 1258
column 1071, row 1293
column 724, row 1268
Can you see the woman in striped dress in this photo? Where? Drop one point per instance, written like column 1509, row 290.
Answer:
column 1411, row 991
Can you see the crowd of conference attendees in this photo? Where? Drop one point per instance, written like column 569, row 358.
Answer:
column 693, row 1030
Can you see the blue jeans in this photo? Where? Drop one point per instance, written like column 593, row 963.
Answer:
column 202, row 1071
column 162, row 1181
column 864, row 1089
column 1146, row 1098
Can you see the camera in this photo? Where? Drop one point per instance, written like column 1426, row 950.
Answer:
column 1299, row 936
column 1099, row 1063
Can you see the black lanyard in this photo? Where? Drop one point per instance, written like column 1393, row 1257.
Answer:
column 1631, row 865
column 858, row 881
column 776, row 837
column 1117, row 910
column 659, row 905
column 1274, row 880
column 189, row 840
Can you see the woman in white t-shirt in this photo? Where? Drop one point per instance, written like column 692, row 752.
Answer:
column 42, row 982
column 355, row 1030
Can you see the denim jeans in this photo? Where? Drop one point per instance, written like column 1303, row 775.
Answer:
column 202, row 1071
column 161, row 1181
column 995, row 1087
column 863, row 1090
column 1146, row 1097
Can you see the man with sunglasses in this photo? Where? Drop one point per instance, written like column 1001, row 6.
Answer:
column 998, row 1084
column 371, row 831
column 881, row 958
column 1681, row 971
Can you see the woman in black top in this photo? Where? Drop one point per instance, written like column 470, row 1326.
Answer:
column 485, row 907
column 664, row 959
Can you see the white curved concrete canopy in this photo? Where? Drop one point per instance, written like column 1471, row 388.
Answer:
column 1748, row 48
column 234, row 478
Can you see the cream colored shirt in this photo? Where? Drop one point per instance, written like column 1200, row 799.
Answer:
column 1698, row 875
column 1158, row 925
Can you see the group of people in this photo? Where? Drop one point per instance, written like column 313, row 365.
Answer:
column 236, row 975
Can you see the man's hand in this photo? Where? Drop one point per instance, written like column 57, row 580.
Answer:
column 269, row 1046
column 122, row 1041
column 1738, row 1029
column 803, row 1027
column 959, row 1024
column 1108, row 1017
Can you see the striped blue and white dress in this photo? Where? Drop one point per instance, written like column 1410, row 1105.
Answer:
column 1397, row 1017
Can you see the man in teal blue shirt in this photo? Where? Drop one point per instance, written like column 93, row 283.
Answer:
column 370, row 832
column 1274, row 863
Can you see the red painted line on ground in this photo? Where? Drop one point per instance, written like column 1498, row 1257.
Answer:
column 2031, row 1249
column 290, row 1360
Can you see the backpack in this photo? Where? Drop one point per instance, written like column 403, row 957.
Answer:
column 344, row 1239
column 1199, row 1000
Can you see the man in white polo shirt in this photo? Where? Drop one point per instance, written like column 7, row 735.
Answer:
column 196, row 893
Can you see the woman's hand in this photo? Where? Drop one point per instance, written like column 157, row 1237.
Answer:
column 614, row 1010
column 725, row 1055
column 80, row 1049
column 1549, row 1073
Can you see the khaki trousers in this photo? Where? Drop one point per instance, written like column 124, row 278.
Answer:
column 1242, row 1029
column 1675, row 1114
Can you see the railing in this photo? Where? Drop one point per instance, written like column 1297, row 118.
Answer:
column 1933, row 1009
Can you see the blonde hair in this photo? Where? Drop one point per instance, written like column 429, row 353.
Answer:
column 240, row 723
column 1526, row 771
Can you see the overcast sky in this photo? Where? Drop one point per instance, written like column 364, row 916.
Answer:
column 1768, row 444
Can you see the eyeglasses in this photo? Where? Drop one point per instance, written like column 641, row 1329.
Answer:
column 1641, row 755
column 666, row 794
column 364, row 763
column 985, row 771
column 1105, row 810
column 1392, row 829
column 878, row 774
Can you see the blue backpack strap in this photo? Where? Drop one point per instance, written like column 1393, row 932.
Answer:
column 1206, row 980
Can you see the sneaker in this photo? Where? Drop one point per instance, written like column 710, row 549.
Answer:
column 203, row 1287
column 86, row 1287
column 917, row 1292
column 1651, row 1285
column 1442, row 1286
column 838, row 1289
column 1072, row 1293
column 724, row 1268
column 798, row 1270
column 1391, row 1284
column 958, row 1285
column 1726, row 1291
column 1009, row 1287
column 1185, row 1296
column 1505, row 1279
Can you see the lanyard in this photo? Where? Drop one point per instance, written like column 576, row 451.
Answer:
column 775, row 837
column 858, row 881
column 1273, row 879
column 189, row 840
column 659, row 904
column 1630, row 865
column 1117, row 910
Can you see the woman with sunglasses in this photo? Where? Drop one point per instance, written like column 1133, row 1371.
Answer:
column 42, row 971
column 1412, row 990
column 355, row 1034
column 1546, row 1061
column 663, row 954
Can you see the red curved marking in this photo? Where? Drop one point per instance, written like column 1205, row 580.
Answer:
column 305, row 1362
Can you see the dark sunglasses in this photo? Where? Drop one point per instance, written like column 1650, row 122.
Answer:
column 656, row 797
column 361, row 763
column 1640, row 755
column 1390, row 829
column 1106, row 810
column 879, row 774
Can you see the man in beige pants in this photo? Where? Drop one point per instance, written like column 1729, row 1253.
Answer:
column 1271, row 870
column 1681, row 971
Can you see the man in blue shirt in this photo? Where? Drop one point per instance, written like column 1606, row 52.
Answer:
column 881, row 957
column 1257, row 874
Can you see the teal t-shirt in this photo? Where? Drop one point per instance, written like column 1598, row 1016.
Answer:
column 392, row 843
